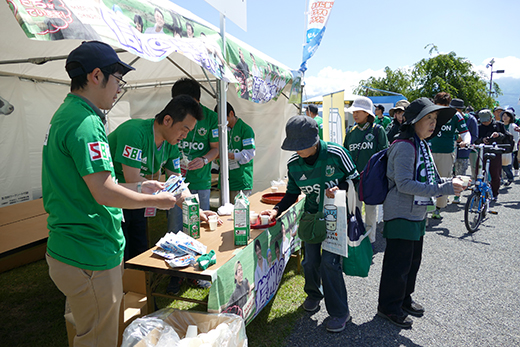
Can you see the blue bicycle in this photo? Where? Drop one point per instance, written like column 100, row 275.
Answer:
column 477, row 204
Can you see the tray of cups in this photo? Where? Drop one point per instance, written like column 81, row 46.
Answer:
column 256, row 222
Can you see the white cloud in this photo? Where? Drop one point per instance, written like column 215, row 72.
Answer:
column 511, row 65
column 331, row 80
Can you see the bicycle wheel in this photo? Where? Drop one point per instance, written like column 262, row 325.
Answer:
column 473, row 211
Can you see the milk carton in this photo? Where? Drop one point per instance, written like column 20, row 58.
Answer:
column 241, row 219
column 191, row 217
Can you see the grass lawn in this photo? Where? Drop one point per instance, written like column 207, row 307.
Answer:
column 33, row 307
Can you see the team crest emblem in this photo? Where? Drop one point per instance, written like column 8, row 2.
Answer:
column 237, row 139
column 202, row 131
column 369, row 137
column 329, row 170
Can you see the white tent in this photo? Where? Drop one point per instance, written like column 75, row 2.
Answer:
column 36, row 91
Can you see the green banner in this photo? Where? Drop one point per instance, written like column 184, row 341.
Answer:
column 153, row 30
column 246, row 283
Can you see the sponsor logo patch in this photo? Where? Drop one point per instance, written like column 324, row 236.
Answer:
column 214, row 133
column 99, row 151
column 248, row 142
column 132, row 153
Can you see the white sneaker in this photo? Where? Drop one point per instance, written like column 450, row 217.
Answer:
column 516, row 173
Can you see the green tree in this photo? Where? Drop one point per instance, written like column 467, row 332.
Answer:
column 439, row 73
column 398, row 81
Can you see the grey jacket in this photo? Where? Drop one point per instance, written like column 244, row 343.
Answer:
column 399, row 202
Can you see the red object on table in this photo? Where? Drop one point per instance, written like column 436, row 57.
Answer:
column 258, row 224
column 272, row 198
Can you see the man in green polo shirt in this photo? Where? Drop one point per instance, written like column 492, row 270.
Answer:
column 312, row 111
column 381, row 119
column 85, row 244
column 140, row 148
column 241, row 151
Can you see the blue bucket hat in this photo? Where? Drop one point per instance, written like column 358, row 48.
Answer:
column 91, row 55
column 301, row 132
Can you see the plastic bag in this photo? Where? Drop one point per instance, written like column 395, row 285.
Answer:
column 167, row 327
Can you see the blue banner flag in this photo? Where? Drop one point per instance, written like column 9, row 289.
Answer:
column 318, row 14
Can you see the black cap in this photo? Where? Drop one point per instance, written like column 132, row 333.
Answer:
column 301, row 132
column 423, row 106
column 381, row 107
column 91, row 55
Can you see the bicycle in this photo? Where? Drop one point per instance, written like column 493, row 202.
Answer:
column 477, row 205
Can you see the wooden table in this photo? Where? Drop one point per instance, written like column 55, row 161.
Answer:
column 220, row 240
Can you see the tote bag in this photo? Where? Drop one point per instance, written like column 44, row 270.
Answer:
column 335, row 212
column 359, row 248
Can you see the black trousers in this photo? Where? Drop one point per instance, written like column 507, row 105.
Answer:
column 400, row 266
column 134, row 229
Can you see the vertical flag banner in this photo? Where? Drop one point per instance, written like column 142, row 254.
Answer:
column 317, row 16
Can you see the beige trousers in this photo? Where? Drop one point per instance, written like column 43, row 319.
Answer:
column 444, row 163
column 370, row 219
column 94, row 298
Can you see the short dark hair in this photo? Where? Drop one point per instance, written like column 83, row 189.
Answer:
column 313, row 109
column 228, row 111
column 178, row 108
column 186, row 86
column 442, row 98
column 80, row 82
column 380, row 107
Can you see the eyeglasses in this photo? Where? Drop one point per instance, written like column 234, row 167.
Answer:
column 120, row 81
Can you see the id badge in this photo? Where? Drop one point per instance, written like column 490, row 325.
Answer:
column 233, row 164
column 150, row 212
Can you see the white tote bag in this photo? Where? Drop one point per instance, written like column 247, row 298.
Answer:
column 335, row 213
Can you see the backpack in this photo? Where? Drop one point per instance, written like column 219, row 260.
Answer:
column 373, row 184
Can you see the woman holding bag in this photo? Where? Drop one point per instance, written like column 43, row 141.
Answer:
column 317, row 168
column 412, row 181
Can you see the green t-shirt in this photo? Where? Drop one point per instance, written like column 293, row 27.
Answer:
column 384, row 122
column 196, row 145
column 82, row 233
column 339, row 167
column 362, row 144
column 319, row 120
column 240, row 137
column 444, row 142
column 132, row 144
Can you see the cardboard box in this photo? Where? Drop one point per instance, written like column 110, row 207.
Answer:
column 133, row 305
column 241, row 220
column 191, row 217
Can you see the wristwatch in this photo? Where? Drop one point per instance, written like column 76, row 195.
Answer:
column 206, row 161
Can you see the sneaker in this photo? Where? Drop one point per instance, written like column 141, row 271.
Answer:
column 174, row 287
column 337, row 324
column 414, row 309
column 401, row 321
column 456, row 200
column 436, row 214
column 507, row 183
column 311, row 305
column 199, row 283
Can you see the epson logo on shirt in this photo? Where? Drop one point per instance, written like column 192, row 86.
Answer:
column 176, row 163
column 132, row 153
column 248, row 142
column 214, row 133
column 316, row 187
column 362, row 145
column 99, row 151
column 191, row 145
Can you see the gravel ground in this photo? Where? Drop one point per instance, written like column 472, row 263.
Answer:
column 468, row 284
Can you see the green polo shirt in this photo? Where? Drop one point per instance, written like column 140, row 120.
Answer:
column 82, row 233
column 385, row 121
column 362, row 144
column 132, row 144
column 196, row 145
column 241, row 137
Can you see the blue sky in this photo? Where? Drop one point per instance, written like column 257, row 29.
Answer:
column 362, row 38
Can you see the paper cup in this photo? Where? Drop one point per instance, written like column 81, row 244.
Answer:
column 264, row 219
column 253, row 217
column 274, row 189
column 465, row 180
column 213, row 222
column 192, row 331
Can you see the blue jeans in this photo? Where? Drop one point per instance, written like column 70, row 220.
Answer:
column 325, row 268
column 175, row 214
column 508, row 170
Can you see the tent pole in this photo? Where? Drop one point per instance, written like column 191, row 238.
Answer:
column 222, row 125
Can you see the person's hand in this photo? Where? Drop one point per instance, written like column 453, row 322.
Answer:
column 331, row 192
column 271, row 213
column 231, row 155
column 165, row 201
column 196, row 163
column 463, row 144
column 150, row 187
column 457, row 185
column 486, row 140
column 495, row 134
column 204, row 216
